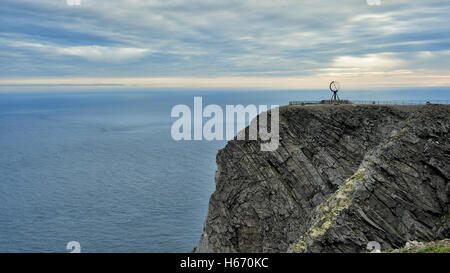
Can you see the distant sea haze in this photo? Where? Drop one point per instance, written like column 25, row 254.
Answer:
column 102, row 169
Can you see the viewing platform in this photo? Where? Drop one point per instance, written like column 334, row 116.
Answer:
column 379, row 102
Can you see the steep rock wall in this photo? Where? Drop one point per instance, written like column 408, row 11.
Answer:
column 342, row 176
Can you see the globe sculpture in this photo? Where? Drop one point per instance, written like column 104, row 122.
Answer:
column 334, row 87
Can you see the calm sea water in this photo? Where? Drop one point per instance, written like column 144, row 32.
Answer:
column 101, row 168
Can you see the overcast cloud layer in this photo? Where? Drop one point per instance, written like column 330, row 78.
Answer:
column 399, row 39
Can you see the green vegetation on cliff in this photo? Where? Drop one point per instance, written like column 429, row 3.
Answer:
column 442, row 246
column 330, row 209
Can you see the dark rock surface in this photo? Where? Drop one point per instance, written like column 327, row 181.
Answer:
column 342, row 176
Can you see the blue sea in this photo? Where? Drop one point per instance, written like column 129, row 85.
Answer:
column 100, row 167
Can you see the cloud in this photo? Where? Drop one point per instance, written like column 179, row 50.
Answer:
column 201, row 38
column 92, row 53
column 369, row 62
column 104, row 54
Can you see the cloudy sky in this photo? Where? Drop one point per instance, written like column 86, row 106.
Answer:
column 281, row 44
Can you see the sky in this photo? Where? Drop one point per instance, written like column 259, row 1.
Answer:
column 283, row 44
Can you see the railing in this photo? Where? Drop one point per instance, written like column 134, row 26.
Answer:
column 401, row 102
column 303, row 102
column 381, row 102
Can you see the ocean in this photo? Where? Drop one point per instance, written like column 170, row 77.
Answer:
column 101, row 168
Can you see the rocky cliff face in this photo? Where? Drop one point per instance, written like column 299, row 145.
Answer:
column 343, row 175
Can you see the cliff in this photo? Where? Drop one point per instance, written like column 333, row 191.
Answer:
column 342, row 176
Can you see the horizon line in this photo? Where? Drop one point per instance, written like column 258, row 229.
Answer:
column 349, row 83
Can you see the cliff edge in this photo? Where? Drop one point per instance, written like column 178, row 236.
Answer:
column 342, row 176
